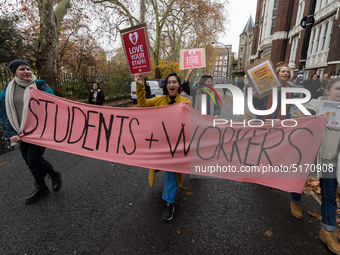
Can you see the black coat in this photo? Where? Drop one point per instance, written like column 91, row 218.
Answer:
column 100, row 97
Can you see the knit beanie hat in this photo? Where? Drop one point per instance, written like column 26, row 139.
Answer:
column 16, row 63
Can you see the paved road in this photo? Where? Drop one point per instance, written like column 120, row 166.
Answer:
column 106, row 208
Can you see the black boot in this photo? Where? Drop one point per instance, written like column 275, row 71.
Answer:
column 56, row 181
column 40, row 192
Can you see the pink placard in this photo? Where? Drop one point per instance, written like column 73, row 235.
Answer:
column 192, row 58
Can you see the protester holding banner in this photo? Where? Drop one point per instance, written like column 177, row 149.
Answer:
column 213, row 106
column 283, row 72
column 13, row 111
column 171, row 95
column 328, row 158
column 96, row 95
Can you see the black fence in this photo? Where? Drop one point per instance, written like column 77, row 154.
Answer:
column 72, row 87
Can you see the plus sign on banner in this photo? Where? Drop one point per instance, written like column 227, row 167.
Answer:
column 134, row 40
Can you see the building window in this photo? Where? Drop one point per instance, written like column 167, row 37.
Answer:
column 293, row 50
column 330, row 34
column 300, row 12
column 220, row 68
column 220, row 63
column 318, row 40
column 221, row 57
column 274, row 12
column 312, row 42
column 324, row 37
column 319, row 6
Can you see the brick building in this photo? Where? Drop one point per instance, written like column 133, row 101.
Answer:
column 277, row 32
column 222, row 64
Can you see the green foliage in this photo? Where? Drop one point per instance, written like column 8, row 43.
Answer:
column 116, row 87
column 12, row 42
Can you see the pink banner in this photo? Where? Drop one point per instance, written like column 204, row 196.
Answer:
column 178, row 138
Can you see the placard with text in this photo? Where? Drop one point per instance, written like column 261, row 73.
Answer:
column 332, row 110
column 192, row 58
column 262, row 76
column 135, row 40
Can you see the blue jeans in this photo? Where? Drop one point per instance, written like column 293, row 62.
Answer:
column 296, row 198
column 170, row 187
column 328, row 203
column 39, row 167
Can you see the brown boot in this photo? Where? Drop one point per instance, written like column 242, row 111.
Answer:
column 328, row 237
column 295, row 209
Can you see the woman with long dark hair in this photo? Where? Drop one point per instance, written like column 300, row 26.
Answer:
column 171, row 95
column 96, row 95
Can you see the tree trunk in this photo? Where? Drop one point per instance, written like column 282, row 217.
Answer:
column 142, row 11
column 47, row 42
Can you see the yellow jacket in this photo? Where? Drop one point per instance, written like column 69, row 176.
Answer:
column 152, row 102
column 156, row 101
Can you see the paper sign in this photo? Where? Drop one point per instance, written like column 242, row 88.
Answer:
column 134, row 40
column 262, row 76
column 332, row 110
column 192, row 58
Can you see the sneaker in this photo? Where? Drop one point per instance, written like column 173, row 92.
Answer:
column 169, row 212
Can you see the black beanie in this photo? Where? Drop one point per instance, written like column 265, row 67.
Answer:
column 16, row 63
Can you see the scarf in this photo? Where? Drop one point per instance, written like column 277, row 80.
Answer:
column 10, row 106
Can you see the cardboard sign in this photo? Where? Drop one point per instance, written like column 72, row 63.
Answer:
column 262, row 76
column 192, row 58
column 332, row 110
column 135, row 40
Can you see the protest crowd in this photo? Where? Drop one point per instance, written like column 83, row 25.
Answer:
column 14, row 106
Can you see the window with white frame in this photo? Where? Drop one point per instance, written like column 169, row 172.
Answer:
column 311, row 44
column 301, row 9
column 318, row 40
column 320, row 37
column 329, row 36
column 274, row 12
column 318, row 5
column 293, row 49
column 323, row 42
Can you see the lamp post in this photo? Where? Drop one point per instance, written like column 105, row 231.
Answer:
column 307, row 23
column 212, row 43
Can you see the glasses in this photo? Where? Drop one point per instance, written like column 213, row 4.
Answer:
column 173, row 82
